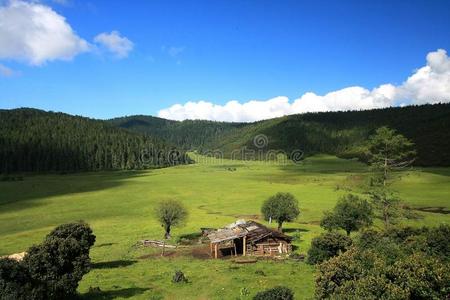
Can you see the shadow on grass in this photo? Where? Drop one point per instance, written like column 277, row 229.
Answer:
column 294, row 230
column 113, row 264
column 38, row 186
column 104, row 245
column 96, row 293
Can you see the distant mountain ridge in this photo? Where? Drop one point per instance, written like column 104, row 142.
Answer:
column 36, row 140
column 338, row 133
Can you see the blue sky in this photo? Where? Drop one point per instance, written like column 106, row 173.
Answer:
column 217, row 51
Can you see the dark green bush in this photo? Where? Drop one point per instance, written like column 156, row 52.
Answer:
column 327, row 245
column 358, row 274
column 179, row 277
column 276, row 293
column 52, row 269
column 15, row 282
column 438, row 242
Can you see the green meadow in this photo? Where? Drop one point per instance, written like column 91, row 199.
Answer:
column 119, row 207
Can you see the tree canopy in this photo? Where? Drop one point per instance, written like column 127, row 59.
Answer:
column 351, row 213
column 170, row 213
column 281, row 207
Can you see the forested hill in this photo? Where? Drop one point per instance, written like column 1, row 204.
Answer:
column 339, row 133
column 188, row 135
column 35, row 140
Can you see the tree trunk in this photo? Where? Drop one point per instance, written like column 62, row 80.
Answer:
column 167, row 234
column 280, row 224
column 348, row 232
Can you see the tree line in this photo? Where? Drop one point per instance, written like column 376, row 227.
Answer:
column 34, row 140
column 338, row 133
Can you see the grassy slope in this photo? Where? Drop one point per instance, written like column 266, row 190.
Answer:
column 119, row 206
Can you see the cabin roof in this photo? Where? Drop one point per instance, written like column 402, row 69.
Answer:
column 252, row 230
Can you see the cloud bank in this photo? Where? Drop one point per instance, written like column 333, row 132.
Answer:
column 34, row 33
column 429, row 84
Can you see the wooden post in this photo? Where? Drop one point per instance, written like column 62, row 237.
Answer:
column 234, row 245
column 244, row 246
column 216, row 246
column 210, row 249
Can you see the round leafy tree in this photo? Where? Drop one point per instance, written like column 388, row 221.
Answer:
column 282, row 207
column 351, row 213
column 170, row 213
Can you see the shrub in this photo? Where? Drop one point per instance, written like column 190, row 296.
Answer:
column 59, row 263
column 438, row 241
column 366, row 274
column 276, row 293
column 326, row 246
column 15, row 282
column 179, row 277
column 79, row 231
column 52, row 269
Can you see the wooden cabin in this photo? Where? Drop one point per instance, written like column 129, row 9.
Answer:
column 248, row 238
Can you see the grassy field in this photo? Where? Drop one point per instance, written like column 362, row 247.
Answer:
column 119, row 207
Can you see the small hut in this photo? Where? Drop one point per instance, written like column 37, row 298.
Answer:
column 248, row 238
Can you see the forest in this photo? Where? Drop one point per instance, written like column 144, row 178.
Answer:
column 35, row 140
column 337, row 133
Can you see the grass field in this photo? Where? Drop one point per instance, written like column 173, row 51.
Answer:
column 119, row 207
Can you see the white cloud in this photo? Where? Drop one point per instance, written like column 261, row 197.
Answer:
column 119, row 45
column 34, row 33
column 429, row 84
column 7, row 72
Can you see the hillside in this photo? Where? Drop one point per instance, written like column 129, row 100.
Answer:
column 338, row 133
column 188, row 134
column 35, row 140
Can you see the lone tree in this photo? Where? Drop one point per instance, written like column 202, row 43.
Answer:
column 282, row 207
column 351, row 213
column 170, row 213
column 388, row 152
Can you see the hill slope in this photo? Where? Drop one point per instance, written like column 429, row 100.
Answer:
column 187, row 135
column 338, row 133
column 35, row 140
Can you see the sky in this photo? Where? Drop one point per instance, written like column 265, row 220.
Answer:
column 222, row 60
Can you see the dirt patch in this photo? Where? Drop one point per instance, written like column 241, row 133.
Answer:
column 200, row 252
column 158, row 255
column 434, row 209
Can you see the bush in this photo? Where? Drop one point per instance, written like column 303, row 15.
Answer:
column 438, row 242
column 52, row 269
column 79, row 231
column 326, row 246
column 15, row 282
column 179, row 277
column 276, row 293
column 367, row 274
